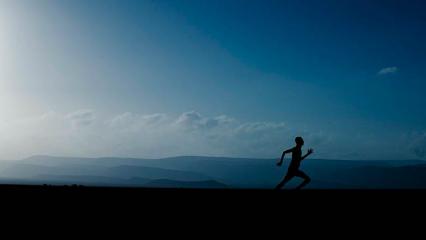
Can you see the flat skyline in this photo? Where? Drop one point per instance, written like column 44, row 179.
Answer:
column 152, row 79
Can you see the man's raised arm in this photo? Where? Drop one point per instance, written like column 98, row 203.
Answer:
column 310, row 151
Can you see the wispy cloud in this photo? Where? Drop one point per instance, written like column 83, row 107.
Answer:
column 388, row 70
column 129, row 134
column 79, row 133
column 194, row 120
column 83, row 117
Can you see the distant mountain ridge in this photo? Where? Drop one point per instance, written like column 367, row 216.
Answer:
column 217, row 172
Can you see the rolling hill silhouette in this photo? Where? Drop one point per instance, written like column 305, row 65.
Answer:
column 167, row 183
column 207, row 172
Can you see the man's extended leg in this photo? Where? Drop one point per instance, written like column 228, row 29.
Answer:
column 306, row 178
column 287, row 178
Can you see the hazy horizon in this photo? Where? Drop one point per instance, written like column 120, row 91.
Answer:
column 151, row 79
column 287, row 158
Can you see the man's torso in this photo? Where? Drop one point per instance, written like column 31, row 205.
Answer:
column 296, row 158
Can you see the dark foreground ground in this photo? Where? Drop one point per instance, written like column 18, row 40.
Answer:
column 207, row 198
column 201, row 207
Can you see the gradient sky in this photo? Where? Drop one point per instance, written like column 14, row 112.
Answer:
column 224, row 77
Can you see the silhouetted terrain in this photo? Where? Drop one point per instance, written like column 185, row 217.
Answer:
column 211, row 172
column 180, row 184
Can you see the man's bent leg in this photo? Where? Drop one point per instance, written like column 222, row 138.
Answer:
column 306, row 178
column 287, row 178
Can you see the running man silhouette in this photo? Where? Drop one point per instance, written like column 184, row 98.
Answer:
column 293, row 169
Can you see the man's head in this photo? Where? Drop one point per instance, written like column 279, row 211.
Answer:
column 299, row 141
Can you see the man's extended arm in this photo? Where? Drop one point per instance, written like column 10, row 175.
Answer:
column 282, row 156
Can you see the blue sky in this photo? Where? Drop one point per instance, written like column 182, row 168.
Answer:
column 234, row 78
